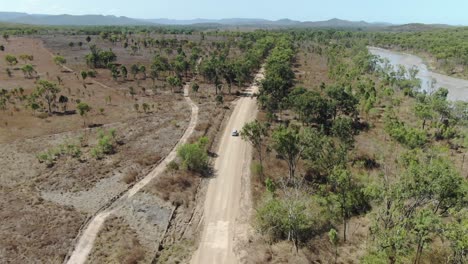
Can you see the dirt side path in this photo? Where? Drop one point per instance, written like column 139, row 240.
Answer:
column 89, row 234
column 223, row 199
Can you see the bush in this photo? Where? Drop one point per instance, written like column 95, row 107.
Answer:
column 106, row 144
column 92, row 73
column 194, row 156
column 50, row 157
column 130, row 176
column 408, row 136
column 256, row 169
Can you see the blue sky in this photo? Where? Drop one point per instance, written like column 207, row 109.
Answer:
column 395, row 11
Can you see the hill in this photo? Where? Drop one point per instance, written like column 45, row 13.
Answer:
column 68, row 20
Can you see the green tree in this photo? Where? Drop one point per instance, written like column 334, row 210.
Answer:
column 6, row 37
column 424, row 225
column 456, row 233
column 174, row 82
column 48, row 91
column 255, row 133
column 84, row 75
column 83, row 110
column 145, row 107
column 195, row 87
column 134, row 69
column 288, row 144
column 124, row 72
column 347, row 195
column 142, row 70
column 131, row 91
column 343, row 129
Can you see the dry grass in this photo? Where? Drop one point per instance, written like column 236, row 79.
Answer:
column 110, row 249
column 178, row 187
column 130, row 176
column 34, row 230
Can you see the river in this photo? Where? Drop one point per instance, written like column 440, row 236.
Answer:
column 458, row 88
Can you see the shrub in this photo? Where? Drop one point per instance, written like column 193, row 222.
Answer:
column 256, row 169
column 92, row 73
column 106, row 144
column 130, row 176
column 194, row 156
column 408, row 136
column 50, row 156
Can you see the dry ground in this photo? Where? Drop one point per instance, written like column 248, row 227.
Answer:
column 43, row 208
column 179, row 190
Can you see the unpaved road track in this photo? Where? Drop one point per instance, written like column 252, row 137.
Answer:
column 223, row 198
column 88, row 236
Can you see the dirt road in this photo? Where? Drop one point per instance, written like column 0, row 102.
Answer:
column 89, row 234
column 223, row 199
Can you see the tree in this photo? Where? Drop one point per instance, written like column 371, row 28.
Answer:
column 28, row 70
column 195, row 87
column 84, row 75
column 48, row 91
column 124, row 72
column 424, row 226
column 145, row 107
column 142, row 69
column 6, row 37
column 99, row 58
column 219, row 99
column 288, row 145
column 311, row 106
column 88, row 39
column 290, row 217
column 424, row 112
column 11, row 59
column 159, row 65
column 347, row 194
column 131, row 91
column 345, row 103
column 255, row 133
column 114, row 72
column 83, row 109
column 455, row 232
column 134, row 69
column 343, row 129
column 174, row 82
column 59, row 60
column 63, row 100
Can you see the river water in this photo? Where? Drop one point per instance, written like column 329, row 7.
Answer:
column 458, row 88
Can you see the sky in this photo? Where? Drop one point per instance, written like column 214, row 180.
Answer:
column 394, row 11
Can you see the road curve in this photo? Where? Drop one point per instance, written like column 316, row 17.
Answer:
column 88, row 236
column 223, row 198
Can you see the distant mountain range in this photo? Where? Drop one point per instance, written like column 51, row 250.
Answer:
column 68, row 20
column 94, row 20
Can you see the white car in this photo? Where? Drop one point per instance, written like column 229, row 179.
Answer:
column 235, row 133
